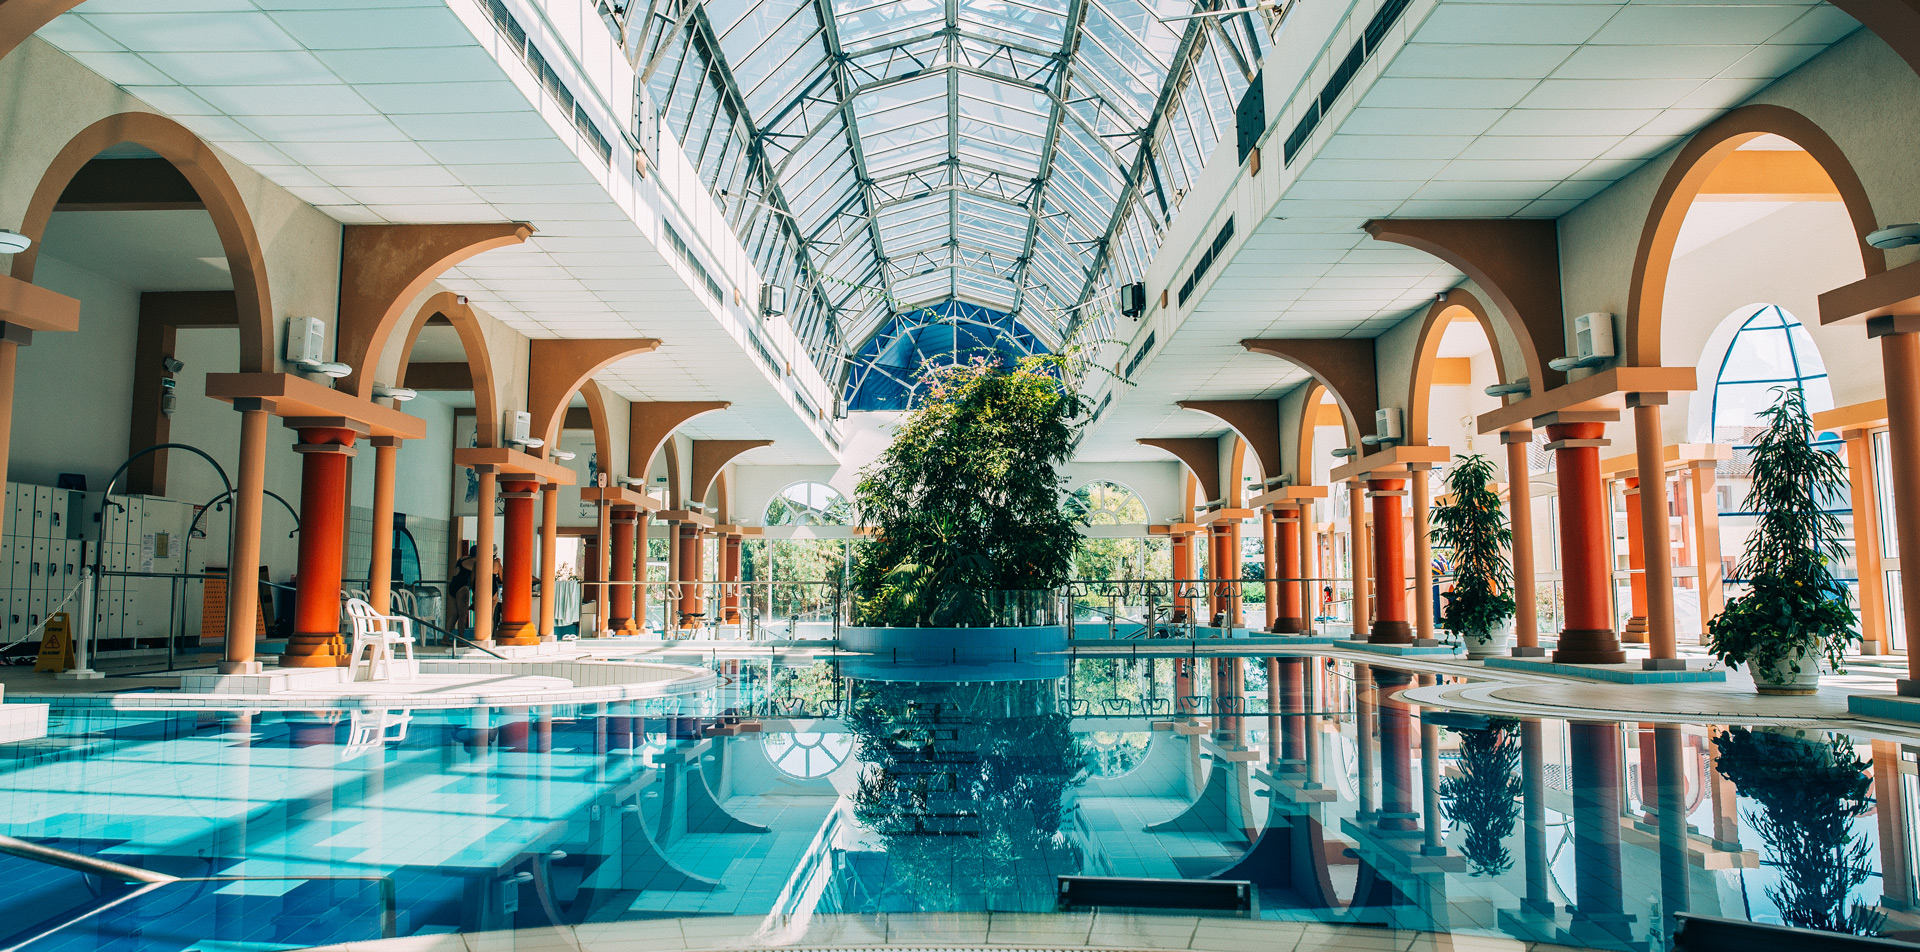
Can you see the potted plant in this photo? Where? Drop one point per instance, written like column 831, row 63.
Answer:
column 1484, row 797
column 1469, row 521
column 1794, row 613
column 971, row 526
column 1811, row 788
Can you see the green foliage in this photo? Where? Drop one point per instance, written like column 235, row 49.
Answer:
column 1484, row 797
column 1473, row 526
column 967, row 499
column 1794, row 610
column 1811, row 790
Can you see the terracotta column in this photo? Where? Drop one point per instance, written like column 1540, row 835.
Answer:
column 1890, row 814
column 549, row 552
column 1360, row 550
column 1396, row 751
column 1308, row 590
column 619, row 607
column 516, row 609
column 243, row 561
column 1636, row 631
column 325, row 455
column 1217, row 609
column 730, row 573
column 483, row 565
column 1526, row 624
column 1422, row 555
column 602, row 562
column 689, row 575
column 1182, row 572
column 1866, row 542
column 1900, row 356
column 1389, row 563
column 386, row 457
column 1292, row 676
column 642, row 528
column 1533, row 816
column 1270, row 564
column 1705, row 503
column 1289, row 612
column 1656, row 536
column 1588, row 637
column 1670, row 796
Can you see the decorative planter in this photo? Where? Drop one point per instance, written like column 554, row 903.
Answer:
column 1487, row 644
column 1781, row 679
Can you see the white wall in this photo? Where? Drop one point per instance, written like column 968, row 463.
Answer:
column 73, row 391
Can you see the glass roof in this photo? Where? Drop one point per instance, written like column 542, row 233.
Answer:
column 879, row 156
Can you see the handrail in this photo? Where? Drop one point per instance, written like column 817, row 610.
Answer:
column 81, row 863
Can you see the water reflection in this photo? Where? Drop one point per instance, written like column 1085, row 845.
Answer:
column 815, row 788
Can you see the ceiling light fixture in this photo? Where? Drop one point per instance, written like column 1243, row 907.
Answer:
column 331, row 368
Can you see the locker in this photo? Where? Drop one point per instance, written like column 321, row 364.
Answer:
column 37, row 578
column 20, row 520
column 42, row 512
column 6, row 563
column 36, row 608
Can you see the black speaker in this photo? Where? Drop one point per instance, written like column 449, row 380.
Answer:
column 1133, row 299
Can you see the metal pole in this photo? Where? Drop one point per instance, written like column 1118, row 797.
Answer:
column 83, row 631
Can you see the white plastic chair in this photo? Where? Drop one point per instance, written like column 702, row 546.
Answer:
column 378, row 635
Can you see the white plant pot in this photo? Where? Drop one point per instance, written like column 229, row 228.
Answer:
column 1486, row 644
column 1780, row 679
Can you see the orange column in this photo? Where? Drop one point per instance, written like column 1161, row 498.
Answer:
column 730, row 573
column 485, row 545
column 1656, row 535
column 1636, row 630
column 1289, row 613
column 1390, row 624
column 1526, row 624
column 1307, row 590
column 1705, row 504
column 1588, row 637
column 689, row 602
column 516, row 564
column 1182, row 572
column 1221, row 562
column 619, row 611
column 642, row 526
column 386, row 458
column 1422, row 557
column 549, row 553
column 1900, row 357
column 1360, row 550
column 1270, row 565
column 325, row 454
column 243, row 601
column 1866, row 542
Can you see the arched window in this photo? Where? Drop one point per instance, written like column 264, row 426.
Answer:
column 1110, row 504
column 1770, row 350
column 809, row 504
column 808, row 754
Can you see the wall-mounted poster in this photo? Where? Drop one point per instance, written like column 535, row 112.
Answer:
column 585, row 465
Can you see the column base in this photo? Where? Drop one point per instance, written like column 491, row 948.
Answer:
column 1287, row 625
column 1525, row 651
column 1636, row 631
column 240, row 667
column 1392, row 633
column 320, row 650
column 623, row 627
column 1589, row 646
column 517, row 633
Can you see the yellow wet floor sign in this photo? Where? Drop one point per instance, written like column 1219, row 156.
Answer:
column 56, row 645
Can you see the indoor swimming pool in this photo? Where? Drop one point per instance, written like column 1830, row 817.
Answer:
column 828, row 787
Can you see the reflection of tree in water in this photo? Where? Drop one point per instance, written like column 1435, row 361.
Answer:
column 968, row 786
column 1811, row 790
column 1484, row 797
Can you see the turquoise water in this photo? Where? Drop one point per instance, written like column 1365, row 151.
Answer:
column 869, row 788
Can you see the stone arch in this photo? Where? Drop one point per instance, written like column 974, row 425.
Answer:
column 602, row 425
column 20, row 19
column 1309, row 421
column 560, row 368
column 1345, row 367
column 1443, row 312
column 486, row 398
column 203, row 170
column 1697, row 160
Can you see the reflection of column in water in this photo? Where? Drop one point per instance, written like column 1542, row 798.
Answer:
column 1726, row 806
column 1594, row 750
column 1310, row 701
column 1430, row 780
column 543, row 760
column 1670, row 799
column 1396, row 751
column 1889, row 793
column 1293, row 693
column 1274, row 726
column 229, row 906
column 1533, row 780
column 1363, row 698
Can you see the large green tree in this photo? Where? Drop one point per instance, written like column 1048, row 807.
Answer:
column 967, row 501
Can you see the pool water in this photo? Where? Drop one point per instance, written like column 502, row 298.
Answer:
column 819, row 788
